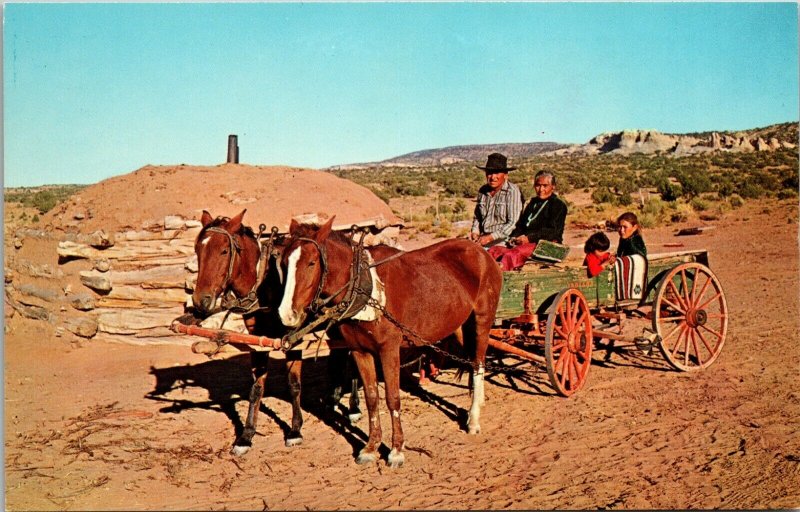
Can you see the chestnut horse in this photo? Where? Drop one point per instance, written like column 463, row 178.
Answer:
column 227, row 255
column 416, row 298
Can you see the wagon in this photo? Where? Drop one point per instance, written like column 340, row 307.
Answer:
column 554, row 314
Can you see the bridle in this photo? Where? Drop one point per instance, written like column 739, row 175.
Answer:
column 249, row 302
column 317, row 303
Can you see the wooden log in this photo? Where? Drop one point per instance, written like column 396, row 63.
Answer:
column 122, row 321
column 137, row 293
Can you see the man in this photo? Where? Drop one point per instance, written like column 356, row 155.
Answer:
column 499, row 204
column 542, row 219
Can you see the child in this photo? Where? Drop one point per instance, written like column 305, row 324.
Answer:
column 597, row 255
column 630, row 236
column 631, row 259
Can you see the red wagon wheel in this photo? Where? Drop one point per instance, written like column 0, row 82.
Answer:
column 568, row 342
column 690, row 317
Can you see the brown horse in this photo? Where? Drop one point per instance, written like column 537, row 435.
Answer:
column 227, row 255
column 417, row 298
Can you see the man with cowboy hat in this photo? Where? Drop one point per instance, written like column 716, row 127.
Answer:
column 499, row 204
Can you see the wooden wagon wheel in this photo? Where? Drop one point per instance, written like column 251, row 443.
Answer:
column 690, row 315
column 568, row 341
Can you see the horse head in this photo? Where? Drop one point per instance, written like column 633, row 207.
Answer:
column 227, row 257
column 305, row 264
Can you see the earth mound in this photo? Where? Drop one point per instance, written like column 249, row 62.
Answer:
column 272, row 195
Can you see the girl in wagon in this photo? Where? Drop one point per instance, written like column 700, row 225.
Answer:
column 630, row 236
column 597, row 255
column 631, row 259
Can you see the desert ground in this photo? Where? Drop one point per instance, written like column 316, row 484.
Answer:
column 104, row 426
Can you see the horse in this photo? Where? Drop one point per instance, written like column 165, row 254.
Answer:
column 228, row 255
column 415, row 298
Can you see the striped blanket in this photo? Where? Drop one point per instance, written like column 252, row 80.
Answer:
column 630, row 274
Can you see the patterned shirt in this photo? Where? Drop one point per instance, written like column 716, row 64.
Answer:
column 497, row 215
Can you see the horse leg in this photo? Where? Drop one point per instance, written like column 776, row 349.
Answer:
column 390, row 362
column 353, row 410
column 294, row 365
column 244, row 442
column 481, row 324
column 366, row 367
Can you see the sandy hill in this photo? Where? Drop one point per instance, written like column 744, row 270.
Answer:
column 271, row 195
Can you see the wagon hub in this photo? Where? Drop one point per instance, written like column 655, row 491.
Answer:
column 576, row 341
column 696, row 317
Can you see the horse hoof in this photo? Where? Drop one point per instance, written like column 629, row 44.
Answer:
column 396, row 459
column 239, row 450
column 293, row 441
column 473, row 429
column 354, row 417
column 366, row 458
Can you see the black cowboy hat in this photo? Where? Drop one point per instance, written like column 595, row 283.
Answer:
column 496, row 162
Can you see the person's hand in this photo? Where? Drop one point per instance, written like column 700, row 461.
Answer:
column 474, row 236
column 521, row 239
column 611, row 260
column 485, row 239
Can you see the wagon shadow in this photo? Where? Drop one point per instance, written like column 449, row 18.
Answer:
column 519, row 375
column 228, row 381
column 609, row 356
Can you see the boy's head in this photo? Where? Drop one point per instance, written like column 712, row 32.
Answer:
column 597, row 242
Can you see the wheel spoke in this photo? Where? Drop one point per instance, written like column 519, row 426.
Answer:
column 705, row 342
column 678, row 343
column 576, row 309
column 564, row 371
column 703, row 289
column 706, row 303
column 577, row 371
column 677, row 308
column 678, row 296
column 694, row 284
column 580, row 321
column 673, row 331
column 670, row 319
column 712, row 331
column 560, row 332
column 696, row 348
column 685, row 287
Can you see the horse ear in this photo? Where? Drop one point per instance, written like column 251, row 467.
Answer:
column 235, row 223
column 206, row 218
column 293, row 226
column 325, row 230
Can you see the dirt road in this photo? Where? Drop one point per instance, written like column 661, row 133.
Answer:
column 109, row 426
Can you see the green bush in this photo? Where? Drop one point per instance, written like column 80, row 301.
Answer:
column 736, row 201
column 787, row 193
column 699, row 205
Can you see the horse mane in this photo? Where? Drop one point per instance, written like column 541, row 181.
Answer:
column 309, row 230
column 243, row 230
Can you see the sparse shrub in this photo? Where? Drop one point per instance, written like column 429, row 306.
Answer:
column 751, row 190
column 736, row 201
column 35, row 218
column 648, row 220
column 787, row 193
column 603, row 195
column 669, row 191
column 699, row 204
column 654, row 206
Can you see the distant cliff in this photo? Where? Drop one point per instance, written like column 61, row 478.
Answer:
column 455, row 154
column 628, row 142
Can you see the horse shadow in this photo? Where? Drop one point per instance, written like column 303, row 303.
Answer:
column 228, row 381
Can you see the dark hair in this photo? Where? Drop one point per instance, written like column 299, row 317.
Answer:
column 630, row 217
column 597, row 242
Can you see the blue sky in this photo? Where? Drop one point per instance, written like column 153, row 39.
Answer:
column 96, row 90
